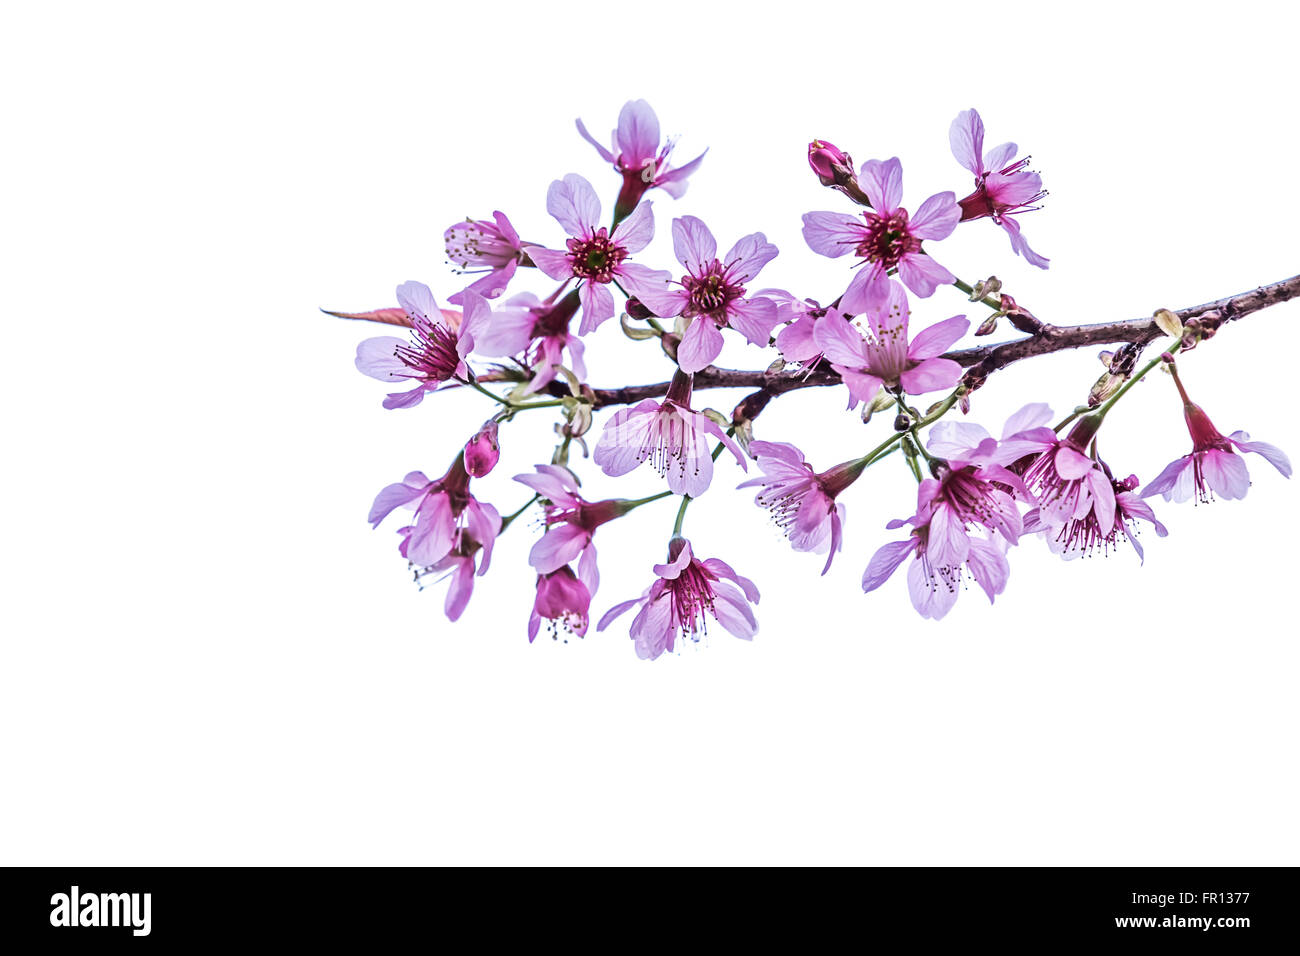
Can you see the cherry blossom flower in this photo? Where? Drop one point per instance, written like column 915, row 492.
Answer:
column 539, row 332
column 885, row 356
column 638, row 158
column 439, row 343
column 564, row 599
column 1067, row 483
column 935, row 576
column 445, row 508
column 571, row 523
column 1080, row 537
column 594, row 256
column 885, row 237
column 477, row 245
column 1004, row 188
column 802, row 501
column 483, row 450
column 669, row 435
column 1213, row 466
column 685, row 591
column 712, row 293
column 458, row 563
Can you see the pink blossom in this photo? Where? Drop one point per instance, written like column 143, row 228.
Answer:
column 1067, row 483
column 802, row 501
column 436, row 352
column 1213, row 466
column 677, row 602
column 885, row 356
column 885, row 237
column 564, row 599
column 1003, row 187
column 638, row 158
column 668, row 434
column 483, row 450
column 458, row 563
column 712, row 293
column 443, row 509
column 593, row 255
column 539, row 332
column 477, row 245
column 571, row 523
column 935, row 576
column 1083, row 536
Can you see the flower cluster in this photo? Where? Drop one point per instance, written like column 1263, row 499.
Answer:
column 979, row 498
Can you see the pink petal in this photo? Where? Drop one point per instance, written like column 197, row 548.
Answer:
column 555, row 265
column 923, row 275
column 377, row 357
column 966, row 137
column 605, row 154
column 597, row 306
column 637, row 136
column 1271, row 453
column 754, row 319
column 560, row 545
column 832, row 233
column 930, row 376
column 701, row 344
column 937, row 217
column 748, row 257
column 418, row 301
column 938, row 338
column 636, row 231
column 574, row 204
column 868, row 290
column 840, row 341
column 882, row 181
column 693, row 244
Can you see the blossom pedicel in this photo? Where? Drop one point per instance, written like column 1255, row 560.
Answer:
column 511, row 342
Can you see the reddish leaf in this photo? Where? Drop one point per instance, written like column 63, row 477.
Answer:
column 386, row 316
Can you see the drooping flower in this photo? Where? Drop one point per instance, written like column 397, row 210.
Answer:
column 483, row 450
column 712, row 293
column 638, row 158
column 935, row 577
column 477, row 245
column 1068, row 483
column 802, row 501
column 885, row 237
column 676, row 604
column 571, row 522
column 595, row 256
column 458, row 563
column 1213, row 466
column 1004, row 188
column 436, row 351
column 539, row 332
column 669, row 435
column 1081, row 537
column 885, row 356
column 445, row 508
column 564, row 599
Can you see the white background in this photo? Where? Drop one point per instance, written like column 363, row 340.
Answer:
column 209, row 657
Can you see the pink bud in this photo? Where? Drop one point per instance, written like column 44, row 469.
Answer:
column 823, row 157
column 482, row 451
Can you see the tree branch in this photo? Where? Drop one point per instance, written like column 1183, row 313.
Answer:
column 980, row 361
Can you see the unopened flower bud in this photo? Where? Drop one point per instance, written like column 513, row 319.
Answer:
column 1104, row 388
column 902, row 422
column 1020, row 317
column 988, row 326
column 877, row 404
column 482, row 451
column 824, row 157
column 1106, row 357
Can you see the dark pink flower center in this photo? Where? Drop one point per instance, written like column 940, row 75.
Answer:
column 691, row 593
column 596, row 257
column 710, row 292
column 432, row 353
column 887, row 240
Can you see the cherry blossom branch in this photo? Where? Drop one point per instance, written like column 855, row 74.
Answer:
column 980, row 361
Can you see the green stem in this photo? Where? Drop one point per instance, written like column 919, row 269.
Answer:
column 505, row 522
column 638, row 502
column 681, row 514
